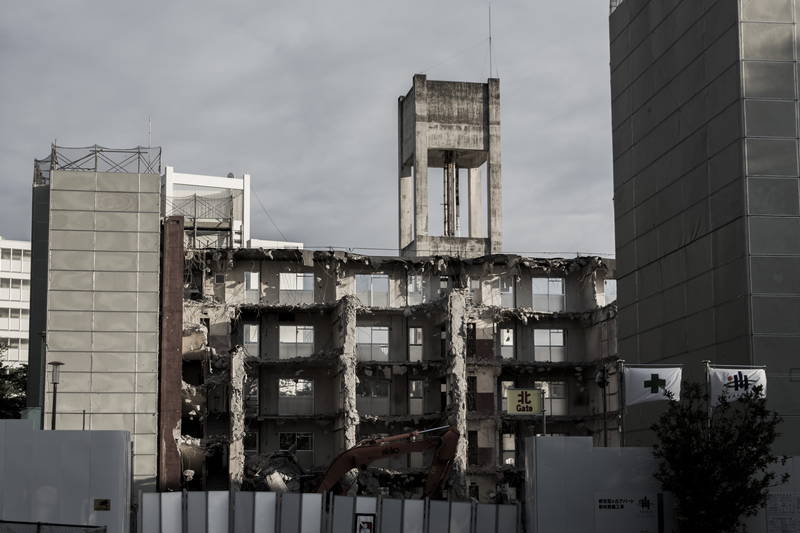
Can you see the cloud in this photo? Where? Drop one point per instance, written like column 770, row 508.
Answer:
column 302, row 95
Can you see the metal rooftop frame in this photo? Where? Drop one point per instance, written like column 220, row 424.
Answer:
column 138, row 160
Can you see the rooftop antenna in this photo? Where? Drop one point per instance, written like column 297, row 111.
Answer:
column 490, row 38
column 149, row 132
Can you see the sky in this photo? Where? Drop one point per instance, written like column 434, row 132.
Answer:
column 302, row 95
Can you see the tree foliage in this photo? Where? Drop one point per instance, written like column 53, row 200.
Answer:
column 718, row 469
column 12, row 390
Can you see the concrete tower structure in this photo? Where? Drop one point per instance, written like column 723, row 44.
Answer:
column 452, row 126
column 707, row 205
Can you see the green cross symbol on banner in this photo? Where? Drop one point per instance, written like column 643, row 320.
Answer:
column 654, row 383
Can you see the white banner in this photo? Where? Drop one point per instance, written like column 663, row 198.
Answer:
column 648, row 384
column 733, row 382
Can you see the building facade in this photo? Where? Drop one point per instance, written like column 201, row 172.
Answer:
column 335, row 348
column 704, row 110
column 15, row 292
column 95, row 294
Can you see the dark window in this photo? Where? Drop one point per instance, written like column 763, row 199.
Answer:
column 471, row 337
column 472, row 393
column 472, row 447
column 219, row 278
column 474, row 491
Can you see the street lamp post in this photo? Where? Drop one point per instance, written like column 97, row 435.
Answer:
column 55, row 378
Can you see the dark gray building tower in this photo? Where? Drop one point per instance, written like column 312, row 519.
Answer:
column 706, row 196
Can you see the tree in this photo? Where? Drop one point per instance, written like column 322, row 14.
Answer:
column 13, row 380
column 718, row 469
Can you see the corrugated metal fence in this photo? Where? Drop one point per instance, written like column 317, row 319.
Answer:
column 270, row 512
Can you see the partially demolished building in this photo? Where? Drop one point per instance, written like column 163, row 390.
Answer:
column 272, row 361
column 312, row 351
column 328, row 348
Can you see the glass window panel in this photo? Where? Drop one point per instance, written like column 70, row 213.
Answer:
column 769, row 79
column 541, row 353
column 380, row 335
column 767, row 41
column 507, row 337
column 305, row 334
column 251, row 280
column 557, row 354
column 288, row 334
column 307, row 281
column 381, row 389
column 507, row 285
column 540, row 285
column 610, row 290
column 363, row 335
column 288, row 281
column 767, row 118
column 286, row 440
column 555, row 303
column 555, row 285
column 771, row 157
column 558, row 389
column 305, row 441
column 415, row 336
column 251, row 333
column 304, row 387
column 287, row 387
column 556, row 337
column 363, row 283
column 541, row 337
column 380, row 283
column 509, row 442
column 415, row 388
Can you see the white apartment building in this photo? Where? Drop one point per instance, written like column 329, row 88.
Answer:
column 15, row 290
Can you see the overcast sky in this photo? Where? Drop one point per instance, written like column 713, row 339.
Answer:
column 302, row 94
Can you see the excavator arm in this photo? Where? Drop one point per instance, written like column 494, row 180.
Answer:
column 366, row 452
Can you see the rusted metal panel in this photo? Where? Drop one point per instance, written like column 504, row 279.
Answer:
column 170, row 360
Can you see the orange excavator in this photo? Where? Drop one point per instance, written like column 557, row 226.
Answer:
column 365, row 452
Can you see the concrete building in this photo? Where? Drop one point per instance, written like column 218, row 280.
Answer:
column 15, row 292
column 95, row 293
column 215, row 210
column 313, row 351
column 704, row 107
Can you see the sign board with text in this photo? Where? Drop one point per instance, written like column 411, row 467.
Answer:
column 524, row 402
column 640, row 512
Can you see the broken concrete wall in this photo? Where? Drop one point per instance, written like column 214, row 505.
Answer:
column 346, row 316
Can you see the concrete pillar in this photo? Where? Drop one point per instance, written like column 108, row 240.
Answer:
column 495, row 187
column 456, row 359
column 170, row 362
column 406, row 196
column 405, row 191
column 474, row 199
column 420, row 157
column 236, row 410
column 346, row 340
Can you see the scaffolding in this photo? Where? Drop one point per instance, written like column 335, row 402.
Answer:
column 138, row 160
column 208, row 220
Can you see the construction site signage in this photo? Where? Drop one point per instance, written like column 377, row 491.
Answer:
column 524, row 402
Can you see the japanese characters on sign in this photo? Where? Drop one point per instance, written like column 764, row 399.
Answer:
column 524, row 402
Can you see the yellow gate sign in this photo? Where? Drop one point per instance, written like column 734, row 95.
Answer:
column 524, row 402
